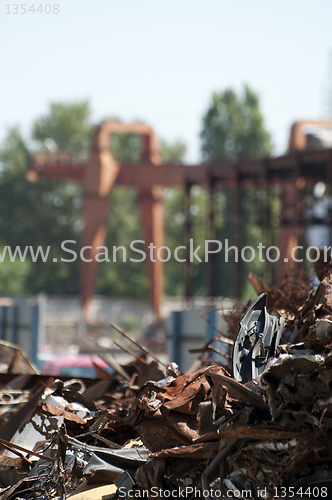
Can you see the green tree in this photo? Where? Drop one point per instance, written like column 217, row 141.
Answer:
column 44, row 213
column 234, row 130
column 50, row 211
column 173, row 152
column 69, row 125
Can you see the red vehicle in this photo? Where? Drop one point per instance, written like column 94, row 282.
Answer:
column 78, row 366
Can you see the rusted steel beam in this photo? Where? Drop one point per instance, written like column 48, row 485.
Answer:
column 144, row 349
column 313, row 165
column 12, row 447
column 151, row 203
column 291, row 226
column 66, row 171
column 298, row 136
column 100, row 175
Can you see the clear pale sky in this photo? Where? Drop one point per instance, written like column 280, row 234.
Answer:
column 160, row 60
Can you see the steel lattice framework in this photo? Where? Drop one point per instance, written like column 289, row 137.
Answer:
column 292, row 172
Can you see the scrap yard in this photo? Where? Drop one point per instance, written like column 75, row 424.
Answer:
column 147, row 430
column 231, row 401
column 166, row 250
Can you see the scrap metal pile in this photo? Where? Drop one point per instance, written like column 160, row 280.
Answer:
column 146, row 431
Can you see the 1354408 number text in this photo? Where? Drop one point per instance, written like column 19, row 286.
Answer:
column 24, row 8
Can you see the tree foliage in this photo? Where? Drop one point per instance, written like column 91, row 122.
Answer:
column 50, row 211
column 45, row 213
column 173, row 152
column 233, row 128
column 69, row 125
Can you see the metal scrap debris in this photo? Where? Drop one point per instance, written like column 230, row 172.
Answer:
column 146, row 430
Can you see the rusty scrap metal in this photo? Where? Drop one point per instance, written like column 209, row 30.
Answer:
column 137, row 344
column 140, row 430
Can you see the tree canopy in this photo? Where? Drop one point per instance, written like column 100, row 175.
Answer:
column 69, row 125
column 50, row 211
column 233, row 128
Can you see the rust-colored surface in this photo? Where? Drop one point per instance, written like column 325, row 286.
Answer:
column 56, row 411
column 199, row 451
column 201, row 429
column 184, row 424
column 236, row 390
column 160, row 435
column 97, row 178
column 298, row 138
column 259, row 432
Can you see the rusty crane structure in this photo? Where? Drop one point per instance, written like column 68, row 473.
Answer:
column 292, row 172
